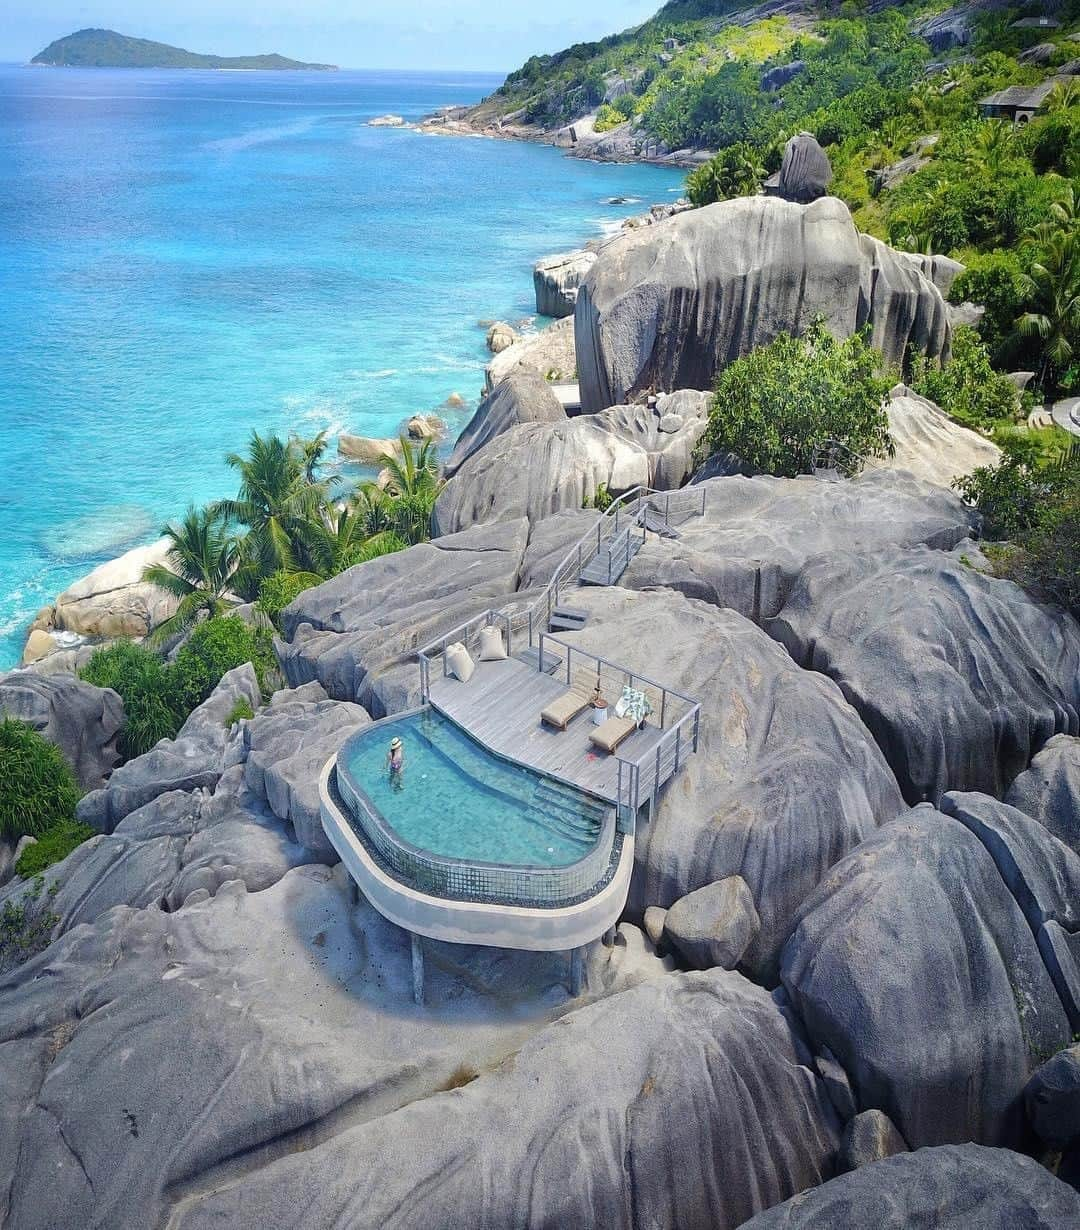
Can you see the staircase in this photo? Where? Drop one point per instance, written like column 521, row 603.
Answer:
column 612, row 560
column 566, row 812
column 567, row 619
column 655, row 524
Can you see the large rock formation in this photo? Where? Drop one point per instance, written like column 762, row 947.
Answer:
column 786, row 779
column 523, row 397
column 556, row 280
column 954, row 1187
column 195, row 758
column 670, row 306
column 931, row 445
column 683, row 1102
column 288, row 1017
column 536, row 469
column 961, row 678
column 550, row 353
column 114, row 600
column 805, row 173
column 915, row 964
column 1049, row 790
column 757, row 534
column 83, row 721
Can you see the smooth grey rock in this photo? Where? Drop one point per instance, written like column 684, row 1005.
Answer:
column 556, row 280
column 195, row 759
column 869, row 1137
column 83, row 721
column 592, row 1124
column 1049, row 790
column 668, row 307
column 805, row 173
column 537, row 469
column 286, row 749
column 961, row 678
column 368, row 622
column 913, row 963
column 288, row 1016
column 944, row 31
column 758, row 533
column 523, row 397
column 714, row 925
column 779, row 76
column 550, row 353
column 954, row 1187
column 653, row 922
column 941, row 270
column 931, row 445
column 786, row 779
column 837, row 1085
column 1052, row 1098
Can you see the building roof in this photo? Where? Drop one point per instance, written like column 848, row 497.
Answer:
column 1036, row 23
column 1023, row 97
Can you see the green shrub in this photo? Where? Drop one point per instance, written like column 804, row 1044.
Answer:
column 608, row 118
column 145, row 685
column 967, row 387
column 386, row 543
column 774, row 407
column 735, row 171
column 26, row 925
column 240, row 712
column 280, row 588
column 214, row 648
column 54, row 844
column 37, row 787
column 994, row 280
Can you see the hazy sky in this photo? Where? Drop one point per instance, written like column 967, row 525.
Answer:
column 465, row 34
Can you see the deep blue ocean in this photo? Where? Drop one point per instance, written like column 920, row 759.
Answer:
column 186, row 257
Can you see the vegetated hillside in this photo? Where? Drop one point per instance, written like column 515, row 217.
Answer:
column 107, row 49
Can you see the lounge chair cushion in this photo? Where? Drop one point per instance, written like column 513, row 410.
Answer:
column 492, row 648
column 458, row 660
column 563, row 709
column 611, row 733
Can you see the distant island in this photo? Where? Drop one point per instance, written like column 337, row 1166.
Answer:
column 107, row 49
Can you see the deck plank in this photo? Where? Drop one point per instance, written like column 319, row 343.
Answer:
column 500, row 706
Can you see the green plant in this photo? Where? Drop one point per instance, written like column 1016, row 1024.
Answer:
column 601, row 499
column 966, row 387
column 776, row 406
column 735, row 171
column 54, row 845
column 26, row 924
column 200, row 562
column 240, row 712
column 214, row 648
column 37, row 787
column 1051, row 287
column 145, row 685
column 607, row 118
column 281, row 588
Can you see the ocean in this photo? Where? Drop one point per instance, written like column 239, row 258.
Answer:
column 187, row 257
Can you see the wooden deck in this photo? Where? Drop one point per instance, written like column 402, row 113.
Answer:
column 500, row 706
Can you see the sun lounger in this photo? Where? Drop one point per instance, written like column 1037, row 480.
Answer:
column 608, row 736
column 561, row 711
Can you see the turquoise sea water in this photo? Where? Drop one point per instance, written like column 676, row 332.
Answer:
column 186, row 257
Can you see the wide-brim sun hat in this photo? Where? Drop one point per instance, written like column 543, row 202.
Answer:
column 395, row 742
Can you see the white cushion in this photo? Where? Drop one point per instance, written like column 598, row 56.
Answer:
column 492, row 648
column 459, row 662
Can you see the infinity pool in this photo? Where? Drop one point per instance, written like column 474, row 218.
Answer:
column 457, row 800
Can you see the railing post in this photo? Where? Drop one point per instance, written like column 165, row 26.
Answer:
column 667, row 509
column 569, row 655
column 678, row 741
column 579, row 559
column 540, row 655
column 663, row 707
column 697, row 718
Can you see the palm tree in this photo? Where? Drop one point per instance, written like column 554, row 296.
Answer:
column 283, row 509
column 1064, row 95
column 311, row 453
column 198, row 569
column 1052, row 289
column 412, row 487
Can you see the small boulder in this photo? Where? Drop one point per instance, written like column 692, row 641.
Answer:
column 523, row 397
column 779, row 76
column 556, row 280
column 714, row 925
column 1049, row 790
column 870, row 1137
column 367, row 451
column 805, row 173
column 1052, row 1098
column 39, row 644
column 113, row 600
column 430, row 426
column 654, row 923
column 500, row 337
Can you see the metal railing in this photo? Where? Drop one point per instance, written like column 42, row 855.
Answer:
column 468, row 634
column 676, row 715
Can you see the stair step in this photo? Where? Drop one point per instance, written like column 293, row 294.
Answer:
column 531, row 657
column 560, row 623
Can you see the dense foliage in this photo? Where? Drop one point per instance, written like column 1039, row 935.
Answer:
column 776, row 407
column 158, row 696
column 37, row 787
column 735, row 171
column 55, row 844
column 1032, row 498
column 967, row 387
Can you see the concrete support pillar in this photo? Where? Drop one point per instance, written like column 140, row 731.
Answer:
column 417, row 968
column 577, row 971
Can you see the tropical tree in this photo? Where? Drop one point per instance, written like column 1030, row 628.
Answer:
column 735, row 171
column 284, row 507
column 412, row 486
column 1051, row 287
column 198, row 570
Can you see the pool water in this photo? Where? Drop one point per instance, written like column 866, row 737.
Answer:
column 455, row 799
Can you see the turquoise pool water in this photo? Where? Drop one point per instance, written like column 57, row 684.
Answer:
column 455, row 799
